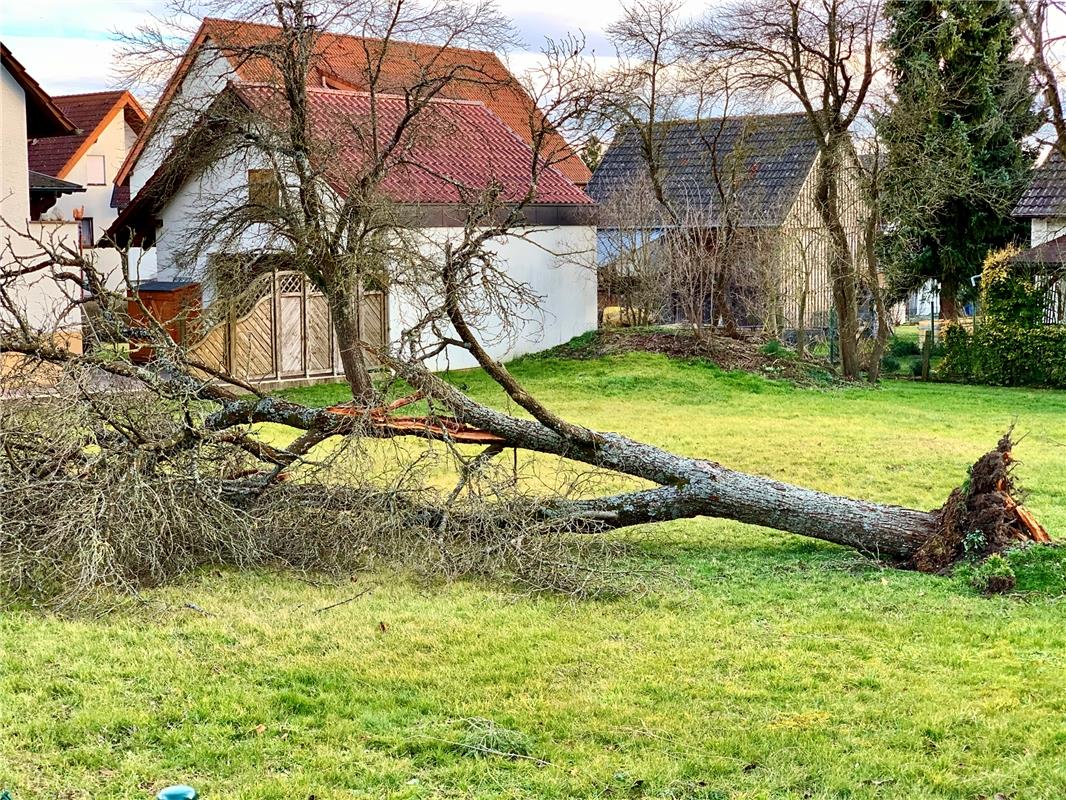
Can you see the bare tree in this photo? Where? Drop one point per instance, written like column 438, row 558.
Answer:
column 1040, row 19
column 823, row 56
column 632, row 269
column 661, row 98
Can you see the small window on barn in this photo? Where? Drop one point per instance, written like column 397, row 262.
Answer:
column 95, row 172
column 263, row 189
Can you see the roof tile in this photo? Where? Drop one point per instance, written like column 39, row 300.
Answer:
column 50, row 156
column 342, row 63
column 771, row 155
column 460, row 147
column 1045, row 196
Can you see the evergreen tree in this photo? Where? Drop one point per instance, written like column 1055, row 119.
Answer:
column 592, row 152
column 954, row 133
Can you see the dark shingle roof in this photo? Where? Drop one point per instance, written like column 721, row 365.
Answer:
column 1045, row 196
column 120, row 196
column 46, row 184
column 769, row 155
column 1052, row 252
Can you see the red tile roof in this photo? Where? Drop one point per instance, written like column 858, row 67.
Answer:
column 91, row 113
column 458, row 147
column 342, row 64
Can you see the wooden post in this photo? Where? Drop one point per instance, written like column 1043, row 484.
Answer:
column 927, row 354
column 305, row 352
column 231, row 336
column 275, row 322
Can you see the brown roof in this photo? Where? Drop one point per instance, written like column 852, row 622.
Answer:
column 43, row 117
column 1050, row 253
column 342, row 64
column 91, row 113
column 467, row 149
column 462, row 147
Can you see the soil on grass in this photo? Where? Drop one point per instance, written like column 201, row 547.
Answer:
column 749, row 354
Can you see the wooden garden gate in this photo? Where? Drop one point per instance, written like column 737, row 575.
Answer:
column 279, row 330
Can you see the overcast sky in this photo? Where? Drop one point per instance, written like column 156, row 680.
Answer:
column 66, row 44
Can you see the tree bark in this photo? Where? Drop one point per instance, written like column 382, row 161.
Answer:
column 346, row 310
column 689, row 487
column 949, row 291
column 842, row 273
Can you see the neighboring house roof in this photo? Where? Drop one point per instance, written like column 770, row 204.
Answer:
column 342, row 64
column 466, row 149
column 120, row 196
column 1045, row 196
column 42, row 184
column 43, row 116
column 92, row 113
column 1050, row 253
column 767, row 158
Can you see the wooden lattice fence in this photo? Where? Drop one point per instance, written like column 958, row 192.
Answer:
column 279, row 329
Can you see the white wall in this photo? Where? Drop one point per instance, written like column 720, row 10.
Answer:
column 186, row 213
column 203, row 82
column 113, row 144
column 42, row 300
column 1044, row 229
column 566, row 285
column 14, row 159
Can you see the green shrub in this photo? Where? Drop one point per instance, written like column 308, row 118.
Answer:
column 775, row 349
column 1010, row 346
column 994, row 576
column 958, row 350
column 1002, row 354
column 890, row 364
column 901, row 347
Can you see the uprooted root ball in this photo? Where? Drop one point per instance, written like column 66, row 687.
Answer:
column 982, row 516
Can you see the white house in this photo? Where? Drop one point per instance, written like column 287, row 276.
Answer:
column 108, row 123
column 283, row 332
column 27, row 113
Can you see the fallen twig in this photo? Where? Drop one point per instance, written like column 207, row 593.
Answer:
column 342, row 602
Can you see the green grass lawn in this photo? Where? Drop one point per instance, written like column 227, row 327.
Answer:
column 756, row 665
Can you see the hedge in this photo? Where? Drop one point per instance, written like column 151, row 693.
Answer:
column 1009, row 346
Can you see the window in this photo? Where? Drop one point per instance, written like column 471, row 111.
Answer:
column 95, row 174
column 263, row 189
column 85, row 232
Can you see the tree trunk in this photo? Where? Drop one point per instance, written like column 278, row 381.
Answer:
column 949, row 291
column 880, row 309
column 689, row 487
column 842, row 273
column 346, row 311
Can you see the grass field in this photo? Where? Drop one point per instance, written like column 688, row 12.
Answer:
column 760, row 665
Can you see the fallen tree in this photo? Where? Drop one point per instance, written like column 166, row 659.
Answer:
column 983, row 516
column 188, row 446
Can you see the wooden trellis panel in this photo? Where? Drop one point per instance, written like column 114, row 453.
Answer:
column 280, row 329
